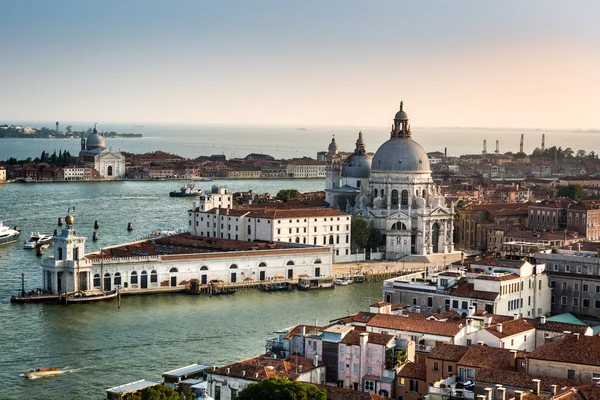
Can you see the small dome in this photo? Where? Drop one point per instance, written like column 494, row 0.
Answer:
column 400, row 154
column 357, row 166
column 401, row 115
column 215, row 189
column 333, row 147
column 95, row 140
column 69, row 220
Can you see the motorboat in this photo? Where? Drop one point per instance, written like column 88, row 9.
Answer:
column 8, row 235
column 89, row 296
column 41, row 372
column 342, row 281
column 189, row 190
column 36, row 240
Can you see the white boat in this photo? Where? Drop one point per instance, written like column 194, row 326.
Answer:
column 41, row 372
column 342, row 281
column 89, row 296
column 8, row 235
column 316, row 282
column 36, row 240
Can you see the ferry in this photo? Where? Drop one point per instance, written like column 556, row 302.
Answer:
column 315, row 282
column 8, row 235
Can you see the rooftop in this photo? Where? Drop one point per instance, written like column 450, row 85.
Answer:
column 132, row 386
column 511, row 328
column 575, row 349
column 398, row 322
column 264, row 366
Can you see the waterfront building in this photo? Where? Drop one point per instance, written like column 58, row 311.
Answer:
column 109, row 164
column 213, row 217
column 225, row 383
column 2, row 174
column 497, row 286
column 128, row 390
column 171, row 262
column 394, row 192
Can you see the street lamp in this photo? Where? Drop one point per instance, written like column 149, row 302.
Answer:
column 22, row 284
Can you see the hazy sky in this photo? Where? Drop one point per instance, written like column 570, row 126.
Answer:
column 454, row 63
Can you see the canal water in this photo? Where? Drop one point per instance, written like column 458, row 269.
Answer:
column 99, row 345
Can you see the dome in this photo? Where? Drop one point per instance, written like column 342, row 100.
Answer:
column 333, row 147
column 401, row 115
column 95, row 140
column 357, row 166
column 215, row 189
column 400, row 154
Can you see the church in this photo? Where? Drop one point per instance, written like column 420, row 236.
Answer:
column 394, row 192
column 109, row 164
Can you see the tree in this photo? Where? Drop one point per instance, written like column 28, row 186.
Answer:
column 573, row 192
column 375, row 239
column 521, row 154
column 68, row 128
column 581, row 153
column 279, row 388
column 161, row 392
column 360, row 233
column 287, row 194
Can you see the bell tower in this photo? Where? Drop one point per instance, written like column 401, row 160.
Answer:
column 333, row 170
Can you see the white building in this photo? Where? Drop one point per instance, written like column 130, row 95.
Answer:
column 172, row 261
column 75, row 173
column 311, row 226
column 394, row 192
column 109, row 164
column 305, row 168
column 2, row 174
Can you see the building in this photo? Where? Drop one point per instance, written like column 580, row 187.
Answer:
column 394, row 192
column 109, row 164
column 128, row 390
column 2, row 174
column 171, row 262
column 583, row 217
column 225, row 383
column 214, row 218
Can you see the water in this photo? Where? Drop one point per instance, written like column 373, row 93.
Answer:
column 289, row 142
column 99, row 345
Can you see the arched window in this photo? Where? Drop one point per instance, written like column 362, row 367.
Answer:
column 233, row 266
column 109, row 171
column 117, row 278
column 262, row 265
column 375, row 192
column 424, row 193
column 290, row 263
column 394, row 197
column 297, row 240
column 318, row 261
column 173, row 270
column 404, row 199
column 153, row 276
column 399, row 226
column 96, row 280
column 331, row 239
column 204, row 268
column 382, row 193
column 249, row 230
column 134, row 278
column 315, row 241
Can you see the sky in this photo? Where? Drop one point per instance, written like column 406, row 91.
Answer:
column 529, row 64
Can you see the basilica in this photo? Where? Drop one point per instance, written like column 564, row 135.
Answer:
column 393, row 191
column 109, row 164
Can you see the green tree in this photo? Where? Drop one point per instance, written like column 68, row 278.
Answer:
column 68, row 128
column 161, row 392
column 521, row 154
column 375, row 239
column 287, row 194
column 44, row 156
column 360, row 233
column 279, row 388
column 573, row 192
column 581, row 153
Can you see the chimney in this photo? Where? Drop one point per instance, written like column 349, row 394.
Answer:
column 445, row 152
column 364, row 338
column 553, row 389
column 487, row 320
column 518, row 394
column 499, row 327
column 578, row 246
column 471, row 311
column 243, row 373
column 502, row 393
column 515, row 316
column 543, row 319
column 576, row 336
column 537, row 386
column 256, row 376
column 228, row 370
column 316, row 361
column 300, row 368
column 488, row 393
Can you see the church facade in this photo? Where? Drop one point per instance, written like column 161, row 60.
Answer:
column 109, row 164
column 394, row 192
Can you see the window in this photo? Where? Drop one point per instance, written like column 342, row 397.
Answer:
column 356, row 368
column 585, row 287
column 563, row 300
column 153, row 276
column 564, row 286
column 134, row 278
column 117, row 278
column 470, row 373
column 597, row 304
column 404, row 198
column 450, row 368
column 597, row 289
column 414, row 385
column 571, row 374
column 585, row 303
column 576, row 287
column 436, row 366
column 341, row 367
column 97, row 280
column 575, row 302
column 454, row 303
column 465, row 305
column 369, row 353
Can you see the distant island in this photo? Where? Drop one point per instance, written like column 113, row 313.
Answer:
column 27, row 132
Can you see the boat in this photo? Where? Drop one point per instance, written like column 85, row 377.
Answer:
column 276, row 287
column 89, row 296
column 189, row 190
column 359, row 278
column 36, row 240
column 8, row 235
column 315, row 282
column 342, row 281
column 41, row 372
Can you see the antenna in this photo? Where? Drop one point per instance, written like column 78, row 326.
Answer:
column 522, row 139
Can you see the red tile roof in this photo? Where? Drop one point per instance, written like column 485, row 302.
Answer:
column 570, row 349
column 337, row 393
column 352, row 338
column 264, row 366
column 467, row 290
column 511, row 328
column 413, row 371
column 397, row 322
column 448, row 352
column 524, row 381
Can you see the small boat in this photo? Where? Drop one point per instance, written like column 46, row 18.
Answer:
column 189, row 190
column 8, row 235
column 89, row 296
column 41, row 372
column 315, row 282
column 218, row 292
column 36, row 240
column 342, row 281
column 275, row 287
column 359, row 278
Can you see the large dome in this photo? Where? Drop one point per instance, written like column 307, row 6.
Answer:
column 357, row 166
column 95, row 140
column 400, row 154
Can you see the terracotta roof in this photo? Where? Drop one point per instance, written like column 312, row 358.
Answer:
column 352, row 338
column 570, row 349
column 524, row 381
column 467, row 290
column 448, row 352
column 413, row 371
column 451, row 274
column 264, row 366
column 511, row 328
column 589, row 391
column 554, row 326
column 503, row 277
column 380, row 304
column 487, row 357
column 307, row 329
column 397, row 322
